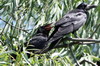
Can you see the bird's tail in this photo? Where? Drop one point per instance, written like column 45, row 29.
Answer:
column 50, row 45
column 53, row 44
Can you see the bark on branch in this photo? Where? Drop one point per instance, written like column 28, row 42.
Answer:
column 82, row 40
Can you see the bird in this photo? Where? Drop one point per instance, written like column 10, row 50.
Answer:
column 37, row 42
column 69, row 23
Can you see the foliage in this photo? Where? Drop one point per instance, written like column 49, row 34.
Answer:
column 19, row 20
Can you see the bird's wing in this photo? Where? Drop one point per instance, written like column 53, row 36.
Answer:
column 69, row 23
column 72, row 17
column 37, row 42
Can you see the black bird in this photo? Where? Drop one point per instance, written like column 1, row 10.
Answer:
column 38, row 41
column 70, row 23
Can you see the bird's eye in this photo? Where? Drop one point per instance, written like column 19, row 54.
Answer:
column 78, row 14
column 67, row 16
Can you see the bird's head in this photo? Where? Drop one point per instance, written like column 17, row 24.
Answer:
column 45, row 29
column 85, row 6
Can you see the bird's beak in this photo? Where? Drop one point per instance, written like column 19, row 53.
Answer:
column 90, row 7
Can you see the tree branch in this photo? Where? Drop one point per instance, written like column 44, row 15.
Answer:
column 73, row 43
column 93, row 64
column 82, row 40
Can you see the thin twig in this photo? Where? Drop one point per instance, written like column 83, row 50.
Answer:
column 74, row 57
column 95, row 31
column 93, row 64
column 73, row 43
column 1, row 42
column 65, row 45
column 14, row 26
column 82, row 40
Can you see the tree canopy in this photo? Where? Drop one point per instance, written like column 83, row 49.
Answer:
column 19, row 20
